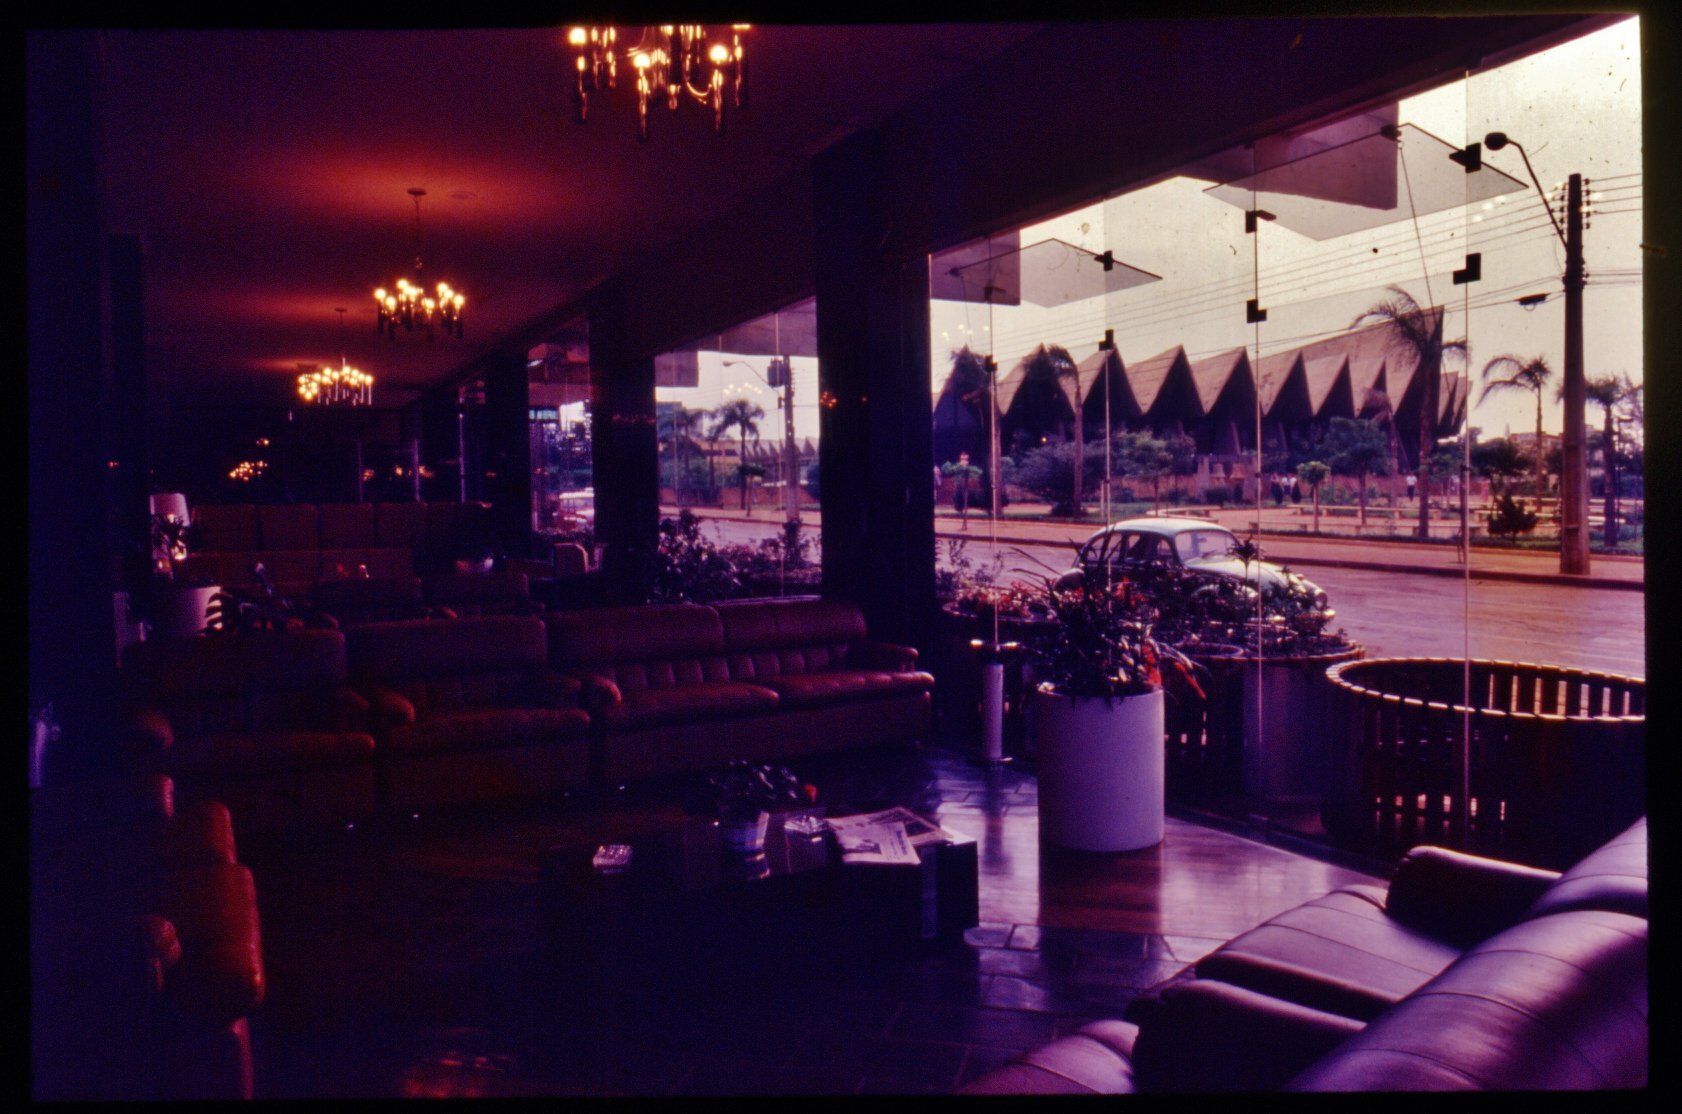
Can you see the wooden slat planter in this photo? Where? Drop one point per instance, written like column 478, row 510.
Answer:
column 1557, row 758
column 1216, row 750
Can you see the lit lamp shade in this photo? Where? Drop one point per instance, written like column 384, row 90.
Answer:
column 170, row 503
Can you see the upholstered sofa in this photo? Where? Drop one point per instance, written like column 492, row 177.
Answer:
column 1465, row 973
column 675, row 688
column 467, row 709
column 303, row 543
column 145, row 950
column 264, row 721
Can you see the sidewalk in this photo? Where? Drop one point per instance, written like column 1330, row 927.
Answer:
column 1297, row 550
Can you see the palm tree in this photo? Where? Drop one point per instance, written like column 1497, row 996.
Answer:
column 1414, row 331
column 1611, row 393
column 1509, row 373
column 741, row 415
column 1067, row 374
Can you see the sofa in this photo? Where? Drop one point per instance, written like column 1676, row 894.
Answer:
column 301, row 544
column 467, row 709
column 145, row 950
column 264, row 721
column 681, row 688
column 1465, row 973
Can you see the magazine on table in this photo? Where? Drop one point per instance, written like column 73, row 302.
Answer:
column 917, row 831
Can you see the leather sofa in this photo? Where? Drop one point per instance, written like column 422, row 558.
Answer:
column 264, row 721
column 1466, row 973
column 145, row 950
column 467, row 709
column 301, row 544
column 677, row 688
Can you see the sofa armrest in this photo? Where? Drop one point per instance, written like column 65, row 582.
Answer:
column 1462, row 898
column 1206, row 1035
column 596, row 693
column 147, row 734
column 559, row 690
column 198, row 833
column 350, row 708
column 889, row 656
column 387, row 707
column 219, row 977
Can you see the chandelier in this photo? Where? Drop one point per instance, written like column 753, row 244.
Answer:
column 673, row 60
column 409, row 306
column 336, row 386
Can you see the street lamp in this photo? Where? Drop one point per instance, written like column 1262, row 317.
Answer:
column 780, row 375
column 1573, row 473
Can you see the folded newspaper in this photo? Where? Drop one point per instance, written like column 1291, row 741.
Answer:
column 890, row 836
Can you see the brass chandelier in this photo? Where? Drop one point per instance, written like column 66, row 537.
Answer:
column 408, row 306
column 337, row 386
column 674, row 60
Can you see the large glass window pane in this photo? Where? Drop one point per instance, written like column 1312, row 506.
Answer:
column 737, row 416
column 562, row 458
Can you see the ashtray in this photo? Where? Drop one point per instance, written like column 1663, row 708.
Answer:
column 805, row 824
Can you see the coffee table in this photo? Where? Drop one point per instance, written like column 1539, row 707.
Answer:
column 687, row 901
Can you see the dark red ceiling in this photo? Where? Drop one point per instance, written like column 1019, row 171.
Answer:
column 267, row 174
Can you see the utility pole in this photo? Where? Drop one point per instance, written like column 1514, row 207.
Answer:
column 780, row 374
column 1573, row 472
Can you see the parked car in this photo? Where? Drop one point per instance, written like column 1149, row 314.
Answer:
column 1195, row 544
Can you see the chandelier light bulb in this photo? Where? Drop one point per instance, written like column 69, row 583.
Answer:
column 410, row 308
column 673, row 59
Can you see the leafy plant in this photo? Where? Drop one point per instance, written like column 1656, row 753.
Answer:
column 688, row 567
column 1100, row 644
column 1509, row 517
column 742, row 791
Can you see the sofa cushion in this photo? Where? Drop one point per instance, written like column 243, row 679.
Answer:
column 775, row 624
column 655, row 632
column 347, row 526
column 421, row 649
column 1555, row 1003
column 243, row 754
column 478, row 729
column 676, row 704
column 289, row 526
column 400, row 524
column 1613, row 876
column 816, row 690
column 1340, row 953
column 226, row 527
column 1092, row 1060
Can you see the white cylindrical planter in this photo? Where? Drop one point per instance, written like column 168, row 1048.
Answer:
column 1100, row 771
column 993, row 711
column 182, row 612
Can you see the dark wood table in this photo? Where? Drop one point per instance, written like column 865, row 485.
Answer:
column 687, row 903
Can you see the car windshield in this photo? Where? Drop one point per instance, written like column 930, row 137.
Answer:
column 1203, row 544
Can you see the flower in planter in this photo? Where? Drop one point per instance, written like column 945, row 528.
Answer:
column 743, row 790
column 1100, row 643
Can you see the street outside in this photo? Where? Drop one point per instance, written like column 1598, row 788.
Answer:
column 1398, row 599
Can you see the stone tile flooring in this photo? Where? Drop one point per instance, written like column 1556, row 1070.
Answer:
column 409, row 961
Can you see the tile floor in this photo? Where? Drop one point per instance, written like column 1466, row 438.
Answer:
column 410, row 961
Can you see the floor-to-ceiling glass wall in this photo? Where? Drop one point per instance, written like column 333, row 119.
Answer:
column 1345, row 345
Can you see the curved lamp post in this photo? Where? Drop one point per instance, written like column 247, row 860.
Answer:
column 1573, row 472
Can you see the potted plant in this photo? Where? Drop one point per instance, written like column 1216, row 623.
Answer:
column 745, row 795
column 1258, row 728
column 1098, row 718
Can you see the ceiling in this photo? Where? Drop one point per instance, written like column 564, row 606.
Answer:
column 267, row 173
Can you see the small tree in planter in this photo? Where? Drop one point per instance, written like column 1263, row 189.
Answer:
column 1314, row 473
column 1098, row 717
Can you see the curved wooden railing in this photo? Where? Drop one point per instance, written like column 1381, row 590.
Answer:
column 1556, row 762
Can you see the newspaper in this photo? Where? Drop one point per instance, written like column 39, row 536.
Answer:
column 876, row 843
column 875, row 837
